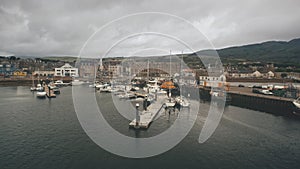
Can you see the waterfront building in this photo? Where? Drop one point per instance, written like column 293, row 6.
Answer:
column 212, row 81
column 66, row 70
column 19, row 73
column 87, row 68
column 44, row 73
column 7, row 69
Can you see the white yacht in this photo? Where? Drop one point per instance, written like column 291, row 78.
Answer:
column 297, row 103
column 33, row 88
column 41, row 94
column 76, row 82
column 39, row 87
column 61, row 83
column 152, row 86
column 106, row 89
column 183, row 101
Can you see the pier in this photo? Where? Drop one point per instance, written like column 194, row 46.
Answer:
column 147, row 116
column 244, row 97
column 271, row 104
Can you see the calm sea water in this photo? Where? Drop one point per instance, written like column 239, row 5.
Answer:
column 45, row 133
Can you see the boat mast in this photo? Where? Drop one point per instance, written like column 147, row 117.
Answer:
column 170, row 77
column 32, row 79
column 148, row 70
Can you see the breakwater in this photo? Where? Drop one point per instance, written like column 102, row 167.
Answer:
column 270, row 104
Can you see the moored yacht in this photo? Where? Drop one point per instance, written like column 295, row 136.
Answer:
column 39, row 87
column 61, row 83
column 76, row 82
column 41, row 94
column 297, row 103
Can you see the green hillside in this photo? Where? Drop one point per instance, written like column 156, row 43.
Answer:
column 273, row 51
column 279, row 52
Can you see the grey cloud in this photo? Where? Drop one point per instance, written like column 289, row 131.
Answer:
column 44, row 28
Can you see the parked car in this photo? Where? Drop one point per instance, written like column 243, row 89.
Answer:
column 240, row 85
column 266, row 92
column 256, row 91
column 257, row 87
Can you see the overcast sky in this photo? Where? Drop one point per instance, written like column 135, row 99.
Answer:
column 43, row 28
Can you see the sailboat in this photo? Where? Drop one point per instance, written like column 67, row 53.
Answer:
column 32, row 88
column 40, row 91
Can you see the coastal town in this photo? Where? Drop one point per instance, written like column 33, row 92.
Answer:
column 149, row 84
column 240, row 81
column 12, row 67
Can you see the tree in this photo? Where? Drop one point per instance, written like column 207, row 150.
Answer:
column 12, row 58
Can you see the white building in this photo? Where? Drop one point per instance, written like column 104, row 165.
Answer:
column 43, row 73
column 256, row 74
column 270, row 74
column 210, row 81
column 66, row 70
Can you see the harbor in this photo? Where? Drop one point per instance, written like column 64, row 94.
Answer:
column 38, row 129
column 237, row 95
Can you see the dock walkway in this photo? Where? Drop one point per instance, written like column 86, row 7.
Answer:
column 149, row 115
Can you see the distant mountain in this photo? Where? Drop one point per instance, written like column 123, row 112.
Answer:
column 281, row 52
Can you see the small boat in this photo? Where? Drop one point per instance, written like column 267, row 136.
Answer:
column 41, row 94
column 94, row 84
column 183, row 101
column 127, row 96
column 152, row 86
column 76, row 82
column 297, row 103
column 170, row 104
column 33, row 88
column 54, row 88
column 106, row 89
column 61, row 83
column 39, row 87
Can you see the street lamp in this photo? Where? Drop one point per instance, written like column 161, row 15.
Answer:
column 137, row 119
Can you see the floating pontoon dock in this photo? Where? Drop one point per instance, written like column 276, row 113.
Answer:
column 147, row 116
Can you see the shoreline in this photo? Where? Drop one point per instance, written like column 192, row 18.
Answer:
column 26, row 81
